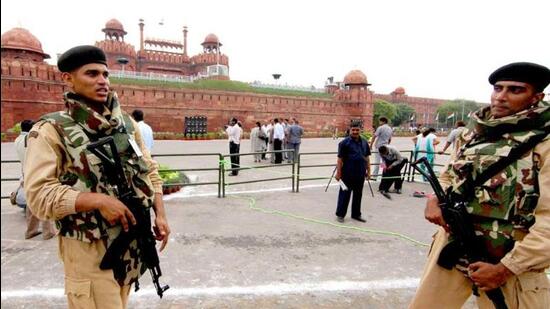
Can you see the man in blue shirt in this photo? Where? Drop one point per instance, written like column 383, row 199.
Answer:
column 351, row 168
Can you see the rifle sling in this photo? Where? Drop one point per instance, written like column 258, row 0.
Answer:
column 514, row 155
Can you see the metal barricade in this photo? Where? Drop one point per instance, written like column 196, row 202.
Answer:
column 9, row 178
column 406, row 170
column 240, row 168
column 296, row 176
column 219, row 156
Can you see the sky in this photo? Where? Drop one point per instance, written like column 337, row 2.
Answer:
column 432, row 48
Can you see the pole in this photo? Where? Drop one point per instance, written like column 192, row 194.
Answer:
column 462, row 110
column 333, row 172
column 371, row 192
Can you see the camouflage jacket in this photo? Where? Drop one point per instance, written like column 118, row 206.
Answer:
column 502, row 209
column 78, row 126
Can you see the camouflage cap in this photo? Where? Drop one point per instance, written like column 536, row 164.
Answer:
column 526, row 72
column 78, row 56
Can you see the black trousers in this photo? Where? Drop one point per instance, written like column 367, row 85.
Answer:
column 392, row 176
column 277, row 145
column 235, row 160
column 266, row 148
column 355, row 187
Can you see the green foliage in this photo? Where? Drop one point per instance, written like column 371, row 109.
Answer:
column 16, row 128
column 224, row 85
column 456, row 106
column 383, row 108
column 169, row 176
column 366, row 135
column 403, row 114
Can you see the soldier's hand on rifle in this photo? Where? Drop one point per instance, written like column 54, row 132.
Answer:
column 114, row 211
column 488, row 276
column 161, row 228
column 110, row 208
column 433, row 213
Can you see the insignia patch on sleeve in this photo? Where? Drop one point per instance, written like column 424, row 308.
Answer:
column 33, row 134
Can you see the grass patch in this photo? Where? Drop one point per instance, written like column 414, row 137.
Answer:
column 223, row 85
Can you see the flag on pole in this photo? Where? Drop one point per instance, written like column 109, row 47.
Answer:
column 451, row 116
column 436, row 116
column 412, row 117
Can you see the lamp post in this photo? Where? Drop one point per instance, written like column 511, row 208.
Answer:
column 122, row 61
column 276, row 76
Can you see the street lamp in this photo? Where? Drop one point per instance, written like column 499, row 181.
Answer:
column 122, row 61
column 276, row 76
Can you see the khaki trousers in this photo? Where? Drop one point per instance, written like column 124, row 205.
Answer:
column 87, row 286
column 442, row 288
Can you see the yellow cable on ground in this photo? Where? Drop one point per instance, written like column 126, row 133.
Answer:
column 252, row 205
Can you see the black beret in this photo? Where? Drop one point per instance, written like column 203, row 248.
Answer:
column 531, row 73
column 78, row 56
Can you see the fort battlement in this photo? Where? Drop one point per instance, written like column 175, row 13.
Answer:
column 31, row 87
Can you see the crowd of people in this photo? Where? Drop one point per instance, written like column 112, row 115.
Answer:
column 268, row 141
column 509, row 209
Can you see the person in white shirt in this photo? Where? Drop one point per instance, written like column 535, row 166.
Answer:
column 455, row 133
column 266, row 140
column 278, row 137
column 48, row 229
column 234, row 132
column 145, row 129
column 382, row 136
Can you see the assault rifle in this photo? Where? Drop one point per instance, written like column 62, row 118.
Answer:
column 141, row 232
column 465, row 243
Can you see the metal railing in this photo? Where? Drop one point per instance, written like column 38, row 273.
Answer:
column 296, row 176
column 258, row 84
column 415, row 156
column 218, row 155
column 223, row 183
column 407, row 170
column 9, row 178
column 153, row 76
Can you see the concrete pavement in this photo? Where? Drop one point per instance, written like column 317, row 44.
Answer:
column 260, row 247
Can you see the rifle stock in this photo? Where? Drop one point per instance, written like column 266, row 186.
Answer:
column 141, row 232
column 465, row 242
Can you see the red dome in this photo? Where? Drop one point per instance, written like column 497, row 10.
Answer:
column 114, row 24
column 20, row 38
column 355, row 77
column 399, row 90
column 211, row 39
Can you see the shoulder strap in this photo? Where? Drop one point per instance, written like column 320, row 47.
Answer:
column 514, row 155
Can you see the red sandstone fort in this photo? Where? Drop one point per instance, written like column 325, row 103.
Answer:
column 31, row 87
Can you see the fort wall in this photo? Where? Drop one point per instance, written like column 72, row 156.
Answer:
column 30, row 90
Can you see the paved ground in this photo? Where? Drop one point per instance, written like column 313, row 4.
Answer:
column 262, row 246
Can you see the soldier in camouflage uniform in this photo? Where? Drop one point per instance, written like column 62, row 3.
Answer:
column 511, row 211
column 65, row 181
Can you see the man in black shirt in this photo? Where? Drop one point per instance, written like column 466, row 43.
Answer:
column 351, row 169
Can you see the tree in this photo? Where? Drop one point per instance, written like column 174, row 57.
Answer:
column 457, row 107
column 403, row 114
column 383, row 108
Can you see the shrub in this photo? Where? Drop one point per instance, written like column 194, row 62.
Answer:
column 169, row 177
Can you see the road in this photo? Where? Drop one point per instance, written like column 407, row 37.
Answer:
column 262, row 246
